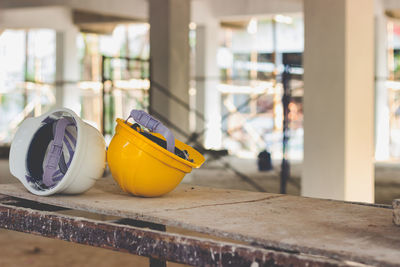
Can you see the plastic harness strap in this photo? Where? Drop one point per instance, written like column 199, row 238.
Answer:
column 54, row 154
column 154, row 125
column 62, row 165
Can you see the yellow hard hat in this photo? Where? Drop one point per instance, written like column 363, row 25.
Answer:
column 149, row 164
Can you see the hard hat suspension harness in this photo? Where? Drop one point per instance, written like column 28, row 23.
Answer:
column 147, row 121
column 46, row 158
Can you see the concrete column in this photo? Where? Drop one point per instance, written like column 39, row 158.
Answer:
column 382, row 111
column 338, row 100
column 67, row 70
column 208, row 98
column 169, row 53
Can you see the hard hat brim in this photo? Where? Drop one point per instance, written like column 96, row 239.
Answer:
column 20, row 145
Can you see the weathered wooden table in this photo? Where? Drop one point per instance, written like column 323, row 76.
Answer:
column 227, row 227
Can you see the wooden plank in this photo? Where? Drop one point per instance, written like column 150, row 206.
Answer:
column 107, row 198
column 332, row 229
column 157, row 245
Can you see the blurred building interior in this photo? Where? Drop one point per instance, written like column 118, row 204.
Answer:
column 315, row 83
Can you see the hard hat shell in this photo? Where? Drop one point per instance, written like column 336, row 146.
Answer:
column 86, row 165
column 142, row 167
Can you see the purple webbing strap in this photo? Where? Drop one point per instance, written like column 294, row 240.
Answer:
column 58, row 174
column 154, row 125
column 54, row 154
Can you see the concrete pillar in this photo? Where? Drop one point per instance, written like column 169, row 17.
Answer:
column 67, row 70
column 208, row 98
column 382, row 110
column 169, row 54
column 338, row 100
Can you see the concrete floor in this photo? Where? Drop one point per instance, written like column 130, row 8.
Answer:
column 21, row 249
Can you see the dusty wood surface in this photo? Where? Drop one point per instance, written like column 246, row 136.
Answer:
column 157, row 245
column 334, row 229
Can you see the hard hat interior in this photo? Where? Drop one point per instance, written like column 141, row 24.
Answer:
column 39, row 150
column 161, row 142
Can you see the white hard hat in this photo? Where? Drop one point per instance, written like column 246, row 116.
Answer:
column 57, row 153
